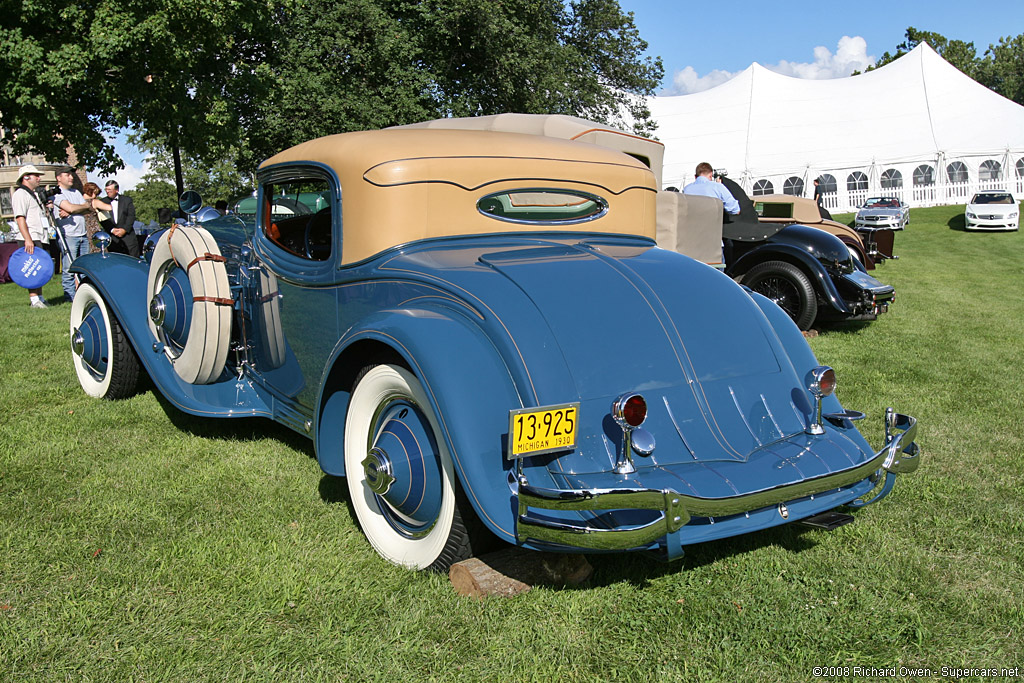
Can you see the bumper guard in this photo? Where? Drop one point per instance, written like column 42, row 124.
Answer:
column 900, row 455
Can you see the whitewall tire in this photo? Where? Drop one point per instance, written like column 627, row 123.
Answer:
column 104, row 361
column 190, row 303
column 401, row 481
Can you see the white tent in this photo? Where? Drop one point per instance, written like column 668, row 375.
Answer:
column 917, row 128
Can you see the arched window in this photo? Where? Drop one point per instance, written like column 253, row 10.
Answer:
column 990, row 170
column 1020, row 168
column 924, row 175
column 956, row 172
column 793, row 186
column 827, row 183
column 856, row 181
column 764, row 186
column 891, row 178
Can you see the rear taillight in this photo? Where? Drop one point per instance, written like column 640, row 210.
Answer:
column 630, row 410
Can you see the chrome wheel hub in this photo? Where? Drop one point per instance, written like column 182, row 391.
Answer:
column 377, row 469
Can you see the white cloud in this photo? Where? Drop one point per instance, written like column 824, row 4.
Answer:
column 127, row 178
column 687, row 81
column 851, row 54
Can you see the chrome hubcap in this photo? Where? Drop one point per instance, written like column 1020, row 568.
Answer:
column 157, row 310
column 77, row 342
column 377, row 469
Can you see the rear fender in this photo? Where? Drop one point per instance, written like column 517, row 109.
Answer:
column 823, row 284
column 469, row 387
column 798, row 351
column 122, row 280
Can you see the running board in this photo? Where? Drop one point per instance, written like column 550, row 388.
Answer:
column 827, row 520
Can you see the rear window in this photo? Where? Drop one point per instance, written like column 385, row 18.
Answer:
column 774, row 210
column 540, row 206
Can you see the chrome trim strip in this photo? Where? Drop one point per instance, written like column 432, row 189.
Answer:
column 675, row 423
column 900, row 455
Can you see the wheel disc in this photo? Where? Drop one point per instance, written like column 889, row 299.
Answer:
column 403, row 469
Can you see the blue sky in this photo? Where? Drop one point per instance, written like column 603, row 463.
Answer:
column 794, row 38
column 702, row 44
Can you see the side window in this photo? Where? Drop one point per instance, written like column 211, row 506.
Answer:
column 297, row 217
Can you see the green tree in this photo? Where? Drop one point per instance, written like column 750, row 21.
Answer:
column 1002, row 68
column 244, row 78
column 151, row 195
column 213, row 181
column 345, row 65
column 958, row 53
column 185, row 72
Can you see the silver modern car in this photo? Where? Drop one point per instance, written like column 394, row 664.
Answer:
column 883, row 212
column 992, row 210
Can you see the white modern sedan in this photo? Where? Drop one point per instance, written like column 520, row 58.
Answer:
column 992, row 210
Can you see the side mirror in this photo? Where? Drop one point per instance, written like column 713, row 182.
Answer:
column 190, row 201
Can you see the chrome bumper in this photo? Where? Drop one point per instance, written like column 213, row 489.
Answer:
column 900, row 455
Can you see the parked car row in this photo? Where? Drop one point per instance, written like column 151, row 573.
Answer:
column 478, row 330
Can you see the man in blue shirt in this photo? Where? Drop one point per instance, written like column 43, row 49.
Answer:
column 70, row 207
column 705, row 185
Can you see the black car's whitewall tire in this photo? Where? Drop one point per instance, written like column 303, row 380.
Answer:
column 104, row 361
column 432, row 536
column 201, row 358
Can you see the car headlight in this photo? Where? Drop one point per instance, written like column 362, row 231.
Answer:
column 1012, row 215
column 971, row 215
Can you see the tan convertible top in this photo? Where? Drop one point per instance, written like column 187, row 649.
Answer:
column 563, row 127
column 401, row 185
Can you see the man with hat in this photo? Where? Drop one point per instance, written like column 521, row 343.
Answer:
column 71, row 207
column 30, row 215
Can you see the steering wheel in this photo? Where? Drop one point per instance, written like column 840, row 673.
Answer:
column 308, row 245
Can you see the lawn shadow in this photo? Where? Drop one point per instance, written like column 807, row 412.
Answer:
column 840, row 327
column 334, row 489
column 232, row 429
column 640, row 569
column 958, row 222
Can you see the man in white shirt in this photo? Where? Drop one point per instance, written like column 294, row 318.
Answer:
column 31, row 219
column 70, row 208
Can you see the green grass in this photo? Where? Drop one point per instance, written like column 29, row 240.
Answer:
column 138, row 543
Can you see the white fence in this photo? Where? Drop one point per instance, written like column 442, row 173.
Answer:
column 843, row 200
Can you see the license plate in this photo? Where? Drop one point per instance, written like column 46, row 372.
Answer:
column 534, row 431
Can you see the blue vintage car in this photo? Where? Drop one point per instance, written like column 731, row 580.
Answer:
column 477, row 330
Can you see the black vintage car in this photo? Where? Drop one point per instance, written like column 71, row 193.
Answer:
column 808, row 272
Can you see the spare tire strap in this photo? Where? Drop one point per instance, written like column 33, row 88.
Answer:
column 215, row 300
column 205, row 257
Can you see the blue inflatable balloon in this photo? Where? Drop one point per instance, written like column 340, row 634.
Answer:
column 31, row 271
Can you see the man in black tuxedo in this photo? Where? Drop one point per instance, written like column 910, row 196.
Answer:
column 122, row 221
